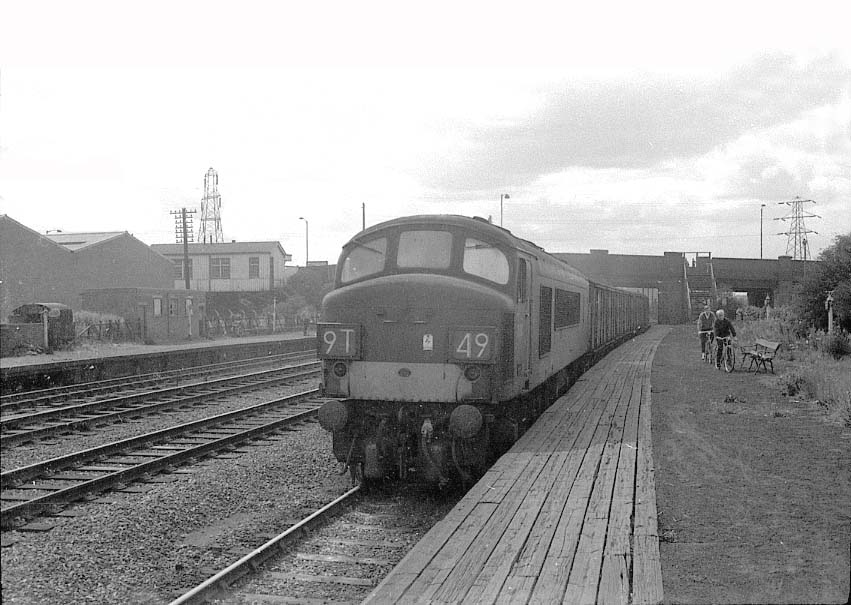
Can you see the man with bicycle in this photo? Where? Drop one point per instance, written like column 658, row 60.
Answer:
column 722, row 328
column 705, row 321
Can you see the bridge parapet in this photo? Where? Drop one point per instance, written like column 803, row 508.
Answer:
column 667, row 274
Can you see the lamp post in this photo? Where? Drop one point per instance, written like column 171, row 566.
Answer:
column 306, row 240
column 502, row 196
column 760, row 230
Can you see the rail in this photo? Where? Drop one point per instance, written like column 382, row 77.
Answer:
column 25, row 427
column 158, row 454
column 223, row 579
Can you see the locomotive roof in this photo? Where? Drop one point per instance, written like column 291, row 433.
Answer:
column 495, row 233
column 498, row 234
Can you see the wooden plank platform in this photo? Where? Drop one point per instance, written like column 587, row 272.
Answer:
column 567, row 515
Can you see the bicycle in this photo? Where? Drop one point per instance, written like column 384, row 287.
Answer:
column 728, row 354
column 709, row 344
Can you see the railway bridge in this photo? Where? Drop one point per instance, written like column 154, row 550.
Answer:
column 677, row 283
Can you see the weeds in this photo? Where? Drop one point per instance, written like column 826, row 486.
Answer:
column 836, row 345
column 822, row 368
column 818, row 376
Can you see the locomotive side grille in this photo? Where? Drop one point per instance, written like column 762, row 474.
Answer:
column 506, row 358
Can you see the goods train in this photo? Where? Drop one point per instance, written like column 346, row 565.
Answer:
column 446, row 336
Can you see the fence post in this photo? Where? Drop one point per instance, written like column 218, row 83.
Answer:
column 44, row 323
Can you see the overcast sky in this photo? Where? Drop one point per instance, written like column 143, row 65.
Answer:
column 635, row 127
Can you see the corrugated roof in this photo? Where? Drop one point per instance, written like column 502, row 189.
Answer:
column 77, row 241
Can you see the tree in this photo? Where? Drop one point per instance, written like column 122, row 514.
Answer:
column 834, row 275
column 310, row 284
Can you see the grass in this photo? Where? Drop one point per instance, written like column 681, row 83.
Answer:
column 817, row 376
column 813, row 372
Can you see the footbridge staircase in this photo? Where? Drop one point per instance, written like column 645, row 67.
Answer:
column 700, row 282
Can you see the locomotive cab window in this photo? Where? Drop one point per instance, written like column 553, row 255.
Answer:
column 424, row 250
column 365, row 259
column 485, row 260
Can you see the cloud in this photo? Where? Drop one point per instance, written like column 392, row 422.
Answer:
column 808, row 157
column 637, row 123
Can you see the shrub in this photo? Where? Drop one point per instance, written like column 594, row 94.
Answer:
column 837, row 345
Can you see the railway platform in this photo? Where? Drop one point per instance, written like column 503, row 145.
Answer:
column 567, row 515
column 103, row 361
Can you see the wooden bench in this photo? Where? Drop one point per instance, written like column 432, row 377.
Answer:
column 760, row 354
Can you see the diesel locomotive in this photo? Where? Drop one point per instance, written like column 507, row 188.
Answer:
column 446, row 336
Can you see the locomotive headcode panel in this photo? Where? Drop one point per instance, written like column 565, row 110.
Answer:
column 338, row 341
column 445, row 337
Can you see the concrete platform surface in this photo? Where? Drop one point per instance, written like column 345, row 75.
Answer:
column 100, row 350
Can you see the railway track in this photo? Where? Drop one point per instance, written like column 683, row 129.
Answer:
column 336, row 555
column 88, row 391
column 16, row 428
column 47, row 486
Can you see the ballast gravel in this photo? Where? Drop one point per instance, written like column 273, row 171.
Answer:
column 150, row 547
column 61, row 445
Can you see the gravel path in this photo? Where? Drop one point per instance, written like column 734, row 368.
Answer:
column 149, row 547
column 18, row 456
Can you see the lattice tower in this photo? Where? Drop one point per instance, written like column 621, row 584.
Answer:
column 210, row 230
column 797, row 245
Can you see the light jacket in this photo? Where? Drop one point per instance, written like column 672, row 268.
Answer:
column 705, row 321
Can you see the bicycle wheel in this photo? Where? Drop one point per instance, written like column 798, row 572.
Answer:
column 729, row 359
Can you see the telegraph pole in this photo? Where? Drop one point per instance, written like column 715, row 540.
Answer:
column 183, row 233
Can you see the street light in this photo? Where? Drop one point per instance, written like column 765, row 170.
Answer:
column 306, row 240
column 760, row 230
column 502, row 196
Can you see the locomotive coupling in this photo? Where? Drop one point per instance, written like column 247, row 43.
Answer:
column 333, row 415
column 427, row 430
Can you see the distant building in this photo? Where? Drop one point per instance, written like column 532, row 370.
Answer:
column 159, row 314
column 59, row 266
column 229, row 267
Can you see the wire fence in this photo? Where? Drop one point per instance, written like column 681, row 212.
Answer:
column 109, row 331
column 254, row 326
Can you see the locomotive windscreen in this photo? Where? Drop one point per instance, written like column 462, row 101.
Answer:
column 365, row 259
